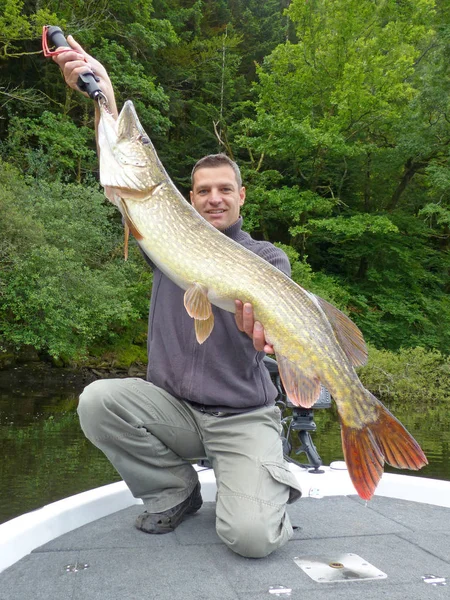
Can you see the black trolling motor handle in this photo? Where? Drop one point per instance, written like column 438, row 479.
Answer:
column 87, row 82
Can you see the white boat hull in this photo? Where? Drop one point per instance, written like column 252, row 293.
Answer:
column 20, row 536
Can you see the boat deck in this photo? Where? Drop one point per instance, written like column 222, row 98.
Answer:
column 407, row 541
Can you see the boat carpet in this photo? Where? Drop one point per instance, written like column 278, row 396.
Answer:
column 111, row 560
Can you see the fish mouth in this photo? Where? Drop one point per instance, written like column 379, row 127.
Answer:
column 128, row 161
column 128, row 125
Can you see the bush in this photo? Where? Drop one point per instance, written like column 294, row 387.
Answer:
column 412, row 376
column 64, row 285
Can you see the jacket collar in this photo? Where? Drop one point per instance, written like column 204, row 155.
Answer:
column 234, row 230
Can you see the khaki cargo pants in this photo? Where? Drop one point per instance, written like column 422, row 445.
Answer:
column 150, row 437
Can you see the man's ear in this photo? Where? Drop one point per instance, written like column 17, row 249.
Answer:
column 191, row 195
column 242, row 196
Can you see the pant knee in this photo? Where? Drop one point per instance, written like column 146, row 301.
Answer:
column 254, row 533
column 94, row 403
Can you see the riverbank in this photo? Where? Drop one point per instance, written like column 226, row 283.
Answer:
column 129, row 362
column 414, row 377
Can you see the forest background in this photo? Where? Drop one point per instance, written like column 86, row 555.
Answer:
column 338, row 113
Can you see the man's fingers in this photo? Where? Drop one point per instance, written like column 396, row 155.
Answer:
column 248, row 319
column 259, row 340
column 238, row 315
column 67, row 56
column 75, row 45
column 244, row 317
column 73, row 71
column 245, row 321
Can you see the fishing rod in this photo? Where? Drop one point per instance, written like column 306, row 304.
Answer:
column 53, row 35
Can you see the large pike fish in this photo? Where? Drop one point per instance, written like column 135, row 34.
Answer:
column 314, row 342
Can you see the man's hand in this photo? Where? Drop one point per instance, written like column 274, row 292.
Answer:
column 75, row 62
column 245, row 321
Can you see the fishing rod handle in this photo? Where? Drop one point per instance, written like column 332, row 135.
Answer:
column 56, row 38
column 87, row 82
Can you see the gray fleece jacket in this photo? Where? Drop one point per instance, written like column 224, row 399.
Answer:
column 225, row 373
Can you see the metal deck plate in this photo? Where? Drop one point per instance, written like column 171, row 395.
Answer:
column 341, row 567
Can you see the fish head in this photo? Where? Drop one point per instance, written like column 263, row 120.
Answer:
column 129, row 165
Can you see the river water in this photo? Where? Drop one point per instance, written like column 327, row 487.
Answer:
column 45, row 456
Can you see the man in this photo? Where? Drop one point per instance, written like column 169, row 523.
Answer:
column 214, row 400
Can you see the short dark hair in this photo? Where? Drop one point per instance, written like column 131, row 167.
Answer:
column 216, row 160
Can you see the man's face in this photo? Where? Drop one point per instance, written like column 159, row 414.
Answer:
column 216, row 196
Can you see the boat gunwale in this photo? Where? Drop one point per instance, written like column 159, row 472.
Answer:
column 23, row 534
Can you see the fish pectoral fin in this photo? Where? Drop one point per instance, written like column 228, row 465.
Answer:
column 203, row 328
column 347, row 333
column 110, row 194
column 302, row 389
column 129, row 221
column 138, row 195
column 196, row 302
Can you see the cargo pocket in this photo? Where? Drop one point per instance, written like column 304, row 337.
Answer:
column 282, row 474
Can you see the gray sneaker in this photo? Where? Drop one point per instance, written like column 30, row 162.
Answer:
column 168, row 520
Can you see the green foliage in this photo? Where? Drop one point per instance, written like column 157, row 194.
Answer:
column 338, row 114
column 410, row 377
column 50, row 145
column 352, row 116
column 63, row 283
column 15, row 26
column 131, row 81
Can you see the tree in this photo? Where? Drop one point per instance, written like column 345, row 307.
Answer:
column 356, row 144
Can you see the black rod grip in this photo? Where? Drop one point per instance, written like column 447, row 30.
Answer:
column 87, row 82
column 56, row 37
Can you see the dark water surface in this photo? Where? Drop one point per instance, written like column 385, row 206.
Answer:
column 45, row 457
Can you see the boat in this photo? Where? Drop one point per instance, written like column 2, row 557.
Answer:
column 86, row 547
column 396, row 546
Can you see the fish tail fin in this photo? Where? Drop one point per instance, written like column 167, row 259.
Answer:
column 384, row 439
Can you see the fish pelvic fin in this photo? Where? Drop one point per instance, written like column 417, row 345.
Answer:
column 302, row 389
column 366, row 449
column 199, row 308
column 203, row 328
column 196, row 302
column 347, row 333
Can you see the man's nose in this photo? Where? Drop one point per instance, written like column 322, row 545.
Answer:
column 215, row 197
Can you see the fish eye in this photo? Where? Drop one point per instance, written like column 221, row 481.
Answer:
column 144, row 139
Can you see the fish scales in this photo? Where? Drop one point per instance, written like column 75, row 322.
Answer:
column 314, row 343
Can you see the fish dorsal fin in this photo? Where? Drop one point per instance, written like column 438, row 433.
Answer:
column 347, row 333
column 302, row 389
column 203, row 328
column 196, row 302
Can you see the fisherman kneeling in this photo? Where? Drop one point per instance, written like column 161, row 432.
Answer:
column 214, row 400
